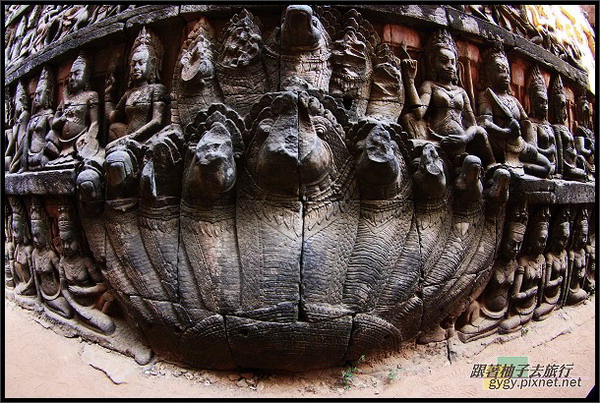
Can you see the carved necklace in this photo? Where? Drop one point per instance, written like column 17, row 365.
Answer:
column 448, row 89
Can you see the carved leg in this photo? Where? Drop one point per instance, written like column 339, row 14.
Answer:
column 61, row 307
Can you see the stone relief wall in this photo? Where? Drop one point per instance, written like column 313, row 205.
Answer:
column 292, row 187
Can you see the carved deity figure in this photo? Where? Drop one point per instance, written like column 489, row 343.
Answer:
column 541, row 134
column 75, row 125
column 240, row 64
column 24, row 282
column 40, row 122
column 44, row 262
column 451, row 120
column 590, row 273
column 578, row 259
column 585, row 139
column 9, row 250
column 143, row 108
column 387, row 90
column 15, row 159
column 530, row 271
column 556, row 266
column 502, row 115
column 570, row 164
column 351, row 60
column 484, row 315
column 195, row 86
column 81, row 280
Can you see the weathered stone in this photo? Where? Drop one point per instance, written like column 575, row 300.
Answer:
column 59, row 182
column 258, row 204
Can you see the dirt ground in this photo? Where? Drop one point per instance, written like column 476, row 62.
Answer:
column 42, row 364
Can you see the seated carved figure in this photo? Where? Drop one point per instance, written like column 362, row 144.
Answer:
column 40, row 122
column 143, row 107
column 82, row 283
column 570, row 164
column 589, row 284
column 24, row 281
column 578, row 260
column 585, row 139
column 9, row 252
column 531, row 266
column 484, row 315
column 15, row 159
column 75, row 124
column 556, row 266
column 541, row 134
column 450, row 115
column 44, row 262
column 502, row 115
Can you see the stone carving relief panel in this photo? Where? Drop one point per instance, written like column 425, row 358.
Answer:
column 301, row 193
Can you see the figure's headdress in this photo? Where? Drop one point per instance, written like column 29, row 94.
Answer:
column 537, row 85
column 557, row 88
column 148, row 40
column 441, row 39
column 517, row 219
column 494, row 51
column 47, row 79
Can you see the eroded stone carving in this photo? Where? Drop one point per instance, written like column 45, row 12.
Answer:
column 40, row 122
column 300, row 49
column 585, row 140
column 556, row 266
column 74, row 134
column 452, row 121
column 485, row 315
column 15, row 159
column 352, row 62
column 195, row 86
column 542, row 135
column 45, row 263
column 530, row 270
column 504, row 119
column 569, row 162
column 241, row 66
column 82, row 283
column 22, row 270
column 387, row 89
column 277, row 204
column 575, row 294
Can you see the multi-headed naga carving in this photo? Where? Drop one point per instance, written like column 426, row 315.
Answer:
column 294, row 197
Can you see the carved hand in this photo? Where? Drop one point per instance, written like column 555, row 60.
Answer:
column 409, row 69
column 110, row 87
column 514, row 128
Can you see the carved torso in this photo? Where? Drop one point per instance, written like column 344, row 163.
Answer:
column 76, row 270
column 22, row 259
column 544, row 139
column 568, row 144
column 39, row 125
column 557, row 264
column 75, row 110
column 532, row 267
column 446, row 106
column 43, row 261
column 495, row 302
column 140, row 102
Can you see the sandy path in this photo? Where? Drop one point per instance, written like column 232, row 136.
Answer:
column 41, row 363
